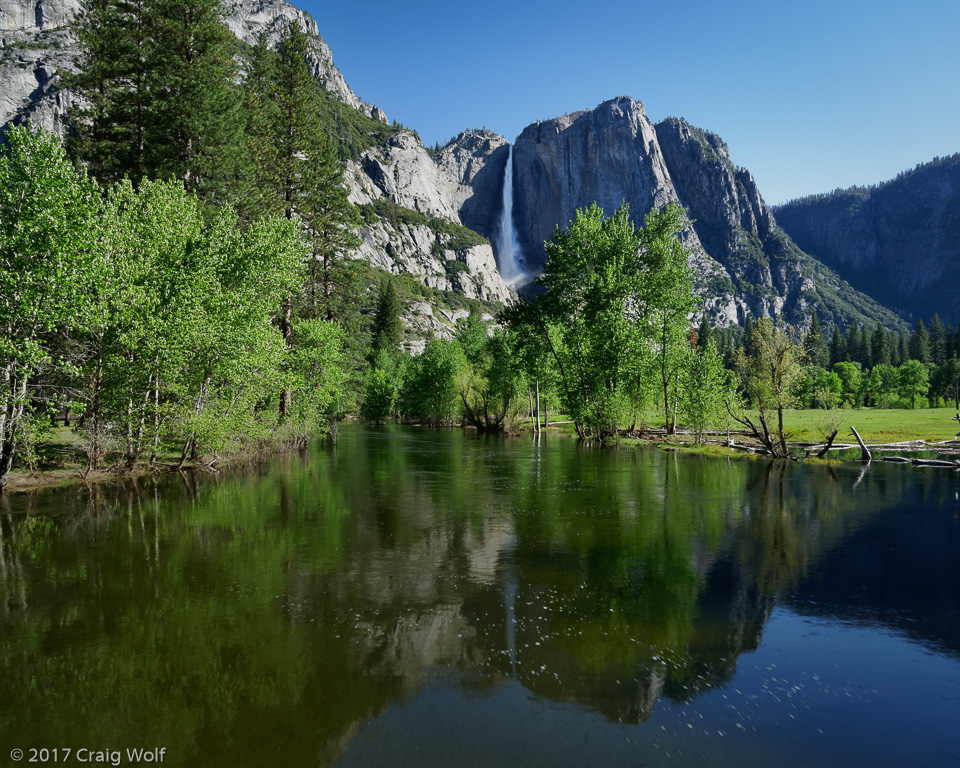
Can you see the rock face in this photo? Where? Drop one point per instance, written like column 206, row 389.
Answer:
column 741, row 260
column 608, row 155
column 899, row 241
column 475, row 162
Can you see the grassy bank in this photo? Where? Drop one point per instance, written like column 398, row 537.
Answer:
column 876, row 425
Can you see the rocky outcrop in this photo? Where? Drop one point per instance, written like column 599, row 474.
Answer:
column 404, row 173
column 475, row 162
column 427, row 255
column 606, row 155
column 899, row 241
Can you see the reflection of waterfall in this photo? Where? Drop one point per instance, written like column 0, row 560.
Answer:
column 509, row 578
column 509, row 256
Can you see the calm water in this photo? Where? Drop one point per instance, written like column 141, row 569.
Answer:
column 415, row 598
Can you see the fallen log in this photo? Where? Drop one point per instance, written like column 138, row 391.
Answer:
column 933, row 463
column 896, row 459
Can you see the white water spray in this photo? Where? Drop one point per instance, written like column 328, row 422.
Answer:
column 509, row 255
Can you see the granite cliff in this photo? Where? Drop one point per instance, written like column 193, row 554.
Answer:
column 898, row 241
column 742, row 261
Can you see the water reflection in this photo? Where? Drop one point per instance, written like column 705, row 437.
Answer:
column 279, row 609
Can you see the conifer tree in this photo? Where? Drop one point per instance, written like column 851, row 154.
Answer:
column 938, row 340
column 196, row 134
column 112, row 117
column 919, row 348
column 387, row 331
column 838, row 347
column 815, row 350
column 704, row 333
column 879, row 346
column 903, row 350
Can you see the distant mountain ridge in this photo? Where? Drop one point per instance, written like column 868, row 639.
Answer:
column 898, row 240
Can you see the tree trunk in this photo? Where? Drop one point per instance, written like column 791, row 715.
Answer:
column 286, row 331
column 538, row 405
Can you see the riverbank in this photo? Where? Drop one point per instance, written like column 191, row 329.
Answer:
column 926, row 430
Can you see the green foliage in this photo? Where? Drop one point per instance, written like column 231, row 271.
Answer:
column 612, row 315
column 159, row 94
column 48, row 232
column 850, row 383
column 913, row 382
column 489, row 385
column 769, row 373
column 430, row 388
column 383, row 387
column 387, row 330
column 706, row 389
column 152, row 317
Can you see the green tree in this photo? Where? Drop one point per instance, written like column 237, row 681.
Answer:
column 838, row 346
column 880, row 346
column 592, row 286
column 387, row 330
column 769, row 378
column 919, row 348
column 49, row 221
column 850, row 383
column 706, row 388
column 430, row 391
column 667, row 293
column 113, row 116
column 913, row 381
column 815, row 351
column 938, row 341
column 197, row 104
column 383, row 387
column 882, row 384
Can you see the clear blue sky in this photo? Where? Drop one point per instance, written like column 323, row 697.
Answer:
column 809, row 95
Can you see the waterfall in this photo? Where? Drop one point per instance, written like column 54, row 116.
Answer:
column 509, row 256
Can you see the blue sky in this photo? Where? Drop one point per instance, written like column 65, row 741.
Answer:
column 809, row 95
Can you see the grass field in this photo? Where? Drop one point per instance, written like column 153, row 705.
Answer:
column 876, row 425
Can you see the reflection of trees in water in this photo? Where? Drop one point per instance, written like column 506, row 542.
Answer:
column 325, row 586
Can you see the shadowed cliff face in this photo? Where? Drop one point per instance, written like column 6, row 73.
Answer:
column 899, row 241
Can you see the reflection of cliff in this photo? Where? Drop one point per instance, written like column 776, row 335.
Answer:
column 286, row 608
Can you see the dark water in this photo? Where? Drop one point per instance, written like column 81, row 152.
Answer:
column 416, row 598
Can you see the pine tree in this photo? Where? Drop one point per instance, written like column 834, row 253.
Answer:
column 838, row 347
column 112, row 117
column 938, row 340
column 258, row 191
column 903, row 350
column 919, row 348
column 854, row 343
column 196, row 134
column 815, row 350
column 704, row 333
column 387, row 330
column 879, row 346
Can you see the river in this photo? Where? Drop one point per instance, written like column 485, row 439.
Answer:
column 424, row 598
